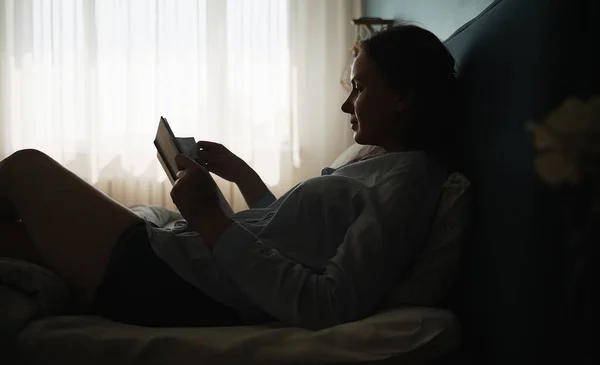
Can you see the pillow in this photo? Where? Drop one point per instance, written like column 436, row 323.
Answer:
column 49, row 293
column 16, row 310
column 27, row 291
column 436, row 267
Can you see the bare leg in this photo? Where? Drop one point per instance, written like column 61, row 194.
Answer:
column 72, row 225
column 17, row 244
column 8, row 213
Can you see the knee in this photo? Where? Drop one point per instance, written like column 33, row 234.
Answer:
column 28, row 154
column 21, row 160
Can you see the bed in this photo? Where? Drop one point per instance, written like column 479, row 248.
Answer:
column 37, row 325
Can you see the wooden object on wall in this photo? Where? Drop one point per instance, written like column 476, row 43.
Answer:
column 365, row 27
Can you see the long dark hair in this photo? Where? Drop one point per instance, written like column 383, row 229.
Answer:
column 414, row 61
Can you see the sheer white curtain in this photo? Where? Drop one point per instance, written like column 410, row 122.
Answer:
column 86, row 82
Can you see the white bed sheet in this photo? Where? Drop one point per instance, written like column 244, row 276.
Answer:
column 411, row 335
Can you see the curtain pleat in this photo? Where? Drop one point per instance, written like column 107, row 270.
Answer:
column 87, row 81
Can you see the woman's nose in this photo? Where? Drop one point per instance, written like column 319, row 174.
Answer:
column 348, row 106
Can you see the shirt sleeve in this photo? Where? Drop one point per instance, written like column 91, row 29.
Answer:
column 264, row 201
column 350, row 286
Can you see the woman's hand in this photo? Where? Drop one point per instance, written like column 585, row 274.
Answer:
column 219, row 160
column 195, row 195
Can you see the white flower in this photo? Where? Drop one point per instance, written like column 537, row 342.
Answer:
column 568, row 141
column 555, row 169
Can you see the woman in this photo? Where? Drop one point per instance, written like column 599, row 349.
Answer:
column 325, row 253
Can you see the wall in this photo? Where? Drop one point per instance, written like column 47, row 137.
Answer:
column 442, row 17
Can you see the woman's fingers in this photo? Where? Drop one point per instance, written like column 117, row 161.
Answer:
column 209, row 158
column 210, row 146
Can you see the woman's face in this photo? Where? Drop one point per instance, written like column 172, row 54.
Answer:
column 373, row 107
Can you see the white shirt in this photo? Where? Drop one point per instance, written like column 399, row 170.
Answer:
column 326, row 252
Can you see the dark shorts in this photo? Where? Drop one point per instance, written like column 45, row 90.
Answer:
column 139, row 288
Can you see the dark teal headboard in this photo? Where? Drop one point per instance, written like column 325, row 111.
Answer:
column 516, row 61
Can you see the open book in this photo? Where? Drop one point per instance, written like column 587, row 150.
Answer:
column 169, row 146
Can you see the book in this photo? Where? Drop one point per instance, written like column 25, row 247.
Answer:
column 168, row 146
